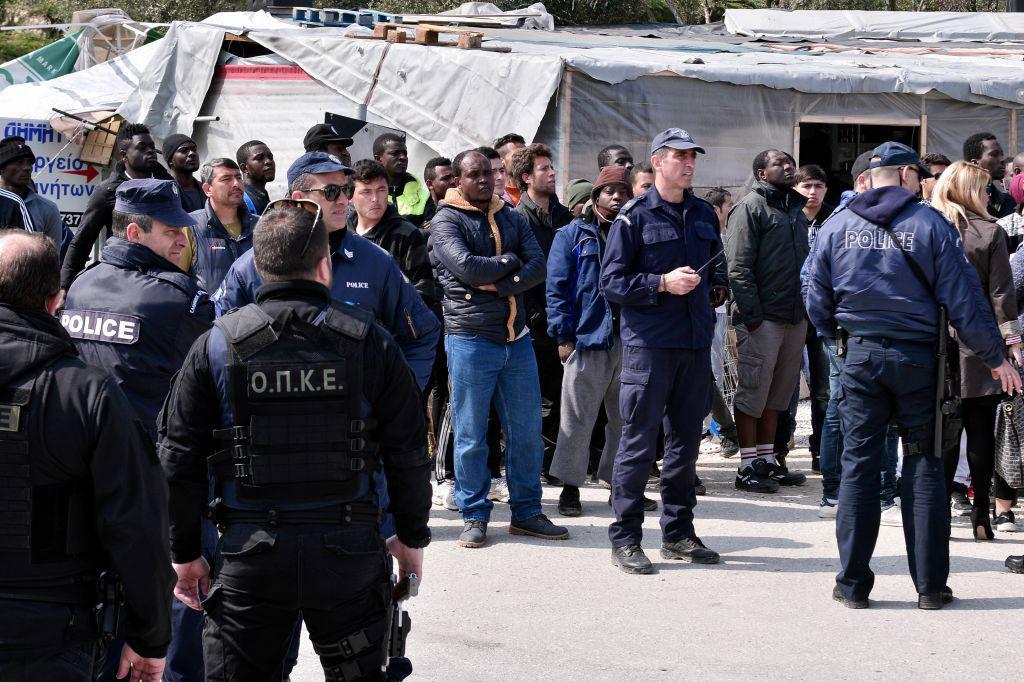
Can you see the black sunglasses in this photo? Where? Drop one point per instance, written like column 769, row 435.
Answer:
column 332, row 192
column 307, row 205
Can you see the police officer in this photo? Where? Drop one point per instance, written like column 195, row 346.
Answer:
column 135, row 313
column 82, row 491
column 654, row 268
column 294, row 402
column 363, row 274
column 861, row 285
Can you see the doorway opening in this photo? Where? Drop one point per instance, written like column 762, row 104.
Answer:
column 835, row 146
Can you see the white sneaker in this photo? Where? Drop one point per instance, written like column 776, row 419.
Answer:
column 1005, row 523
column 709, row 447
column 892, row 516
column 444, row 495
column 827, row 509
column 499, row 490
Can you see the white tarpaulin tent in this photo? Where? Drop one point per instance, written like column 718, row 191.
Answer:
column 575, row 90
column 986, row 27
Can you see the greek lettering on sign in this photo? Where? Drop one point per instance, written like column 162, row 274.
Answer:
column 320, row 379
column 96, row 325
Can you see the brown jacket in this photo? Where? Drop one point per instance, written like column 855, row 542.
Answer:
column 985, row 246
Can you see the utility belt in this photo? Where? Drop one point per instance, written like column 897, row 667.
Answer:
column 80, row 591
column 352, row 513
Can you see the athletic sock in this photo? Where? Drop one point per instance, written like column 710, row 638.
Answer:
column 766, row 452
column 747, row 457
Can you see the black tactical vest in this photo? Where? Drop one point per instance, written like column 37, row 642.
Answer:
column 47, row 540
column 298, row 434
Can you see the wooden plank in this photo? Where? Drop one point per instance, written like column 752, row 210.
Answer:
column 425, row 36
column 470, row 41
column 397, row 36
column 380, row 31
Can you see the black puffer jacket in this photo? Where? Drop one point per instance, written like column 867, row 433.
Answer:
column 470, row 249
column 766, row 245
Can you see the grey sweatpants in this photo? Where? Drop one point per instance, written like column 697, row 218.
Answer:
column 589, row 377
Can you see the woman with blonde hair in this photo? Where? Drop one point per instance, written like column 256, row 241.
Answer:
column 960, row 194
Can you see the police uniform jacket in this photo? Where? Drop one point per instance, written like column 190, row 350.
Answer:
column 364, row 275
column 88, row 439
column 135, row 315
column 766, row 245
column 193, row 410
column 651, row 237
column 470, row 248
column 984, row 244
column 858, row 279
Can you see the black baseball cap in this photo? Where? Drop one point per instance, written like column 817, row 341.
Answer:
column 157, row 199
column 322, row 134
column 898, row 154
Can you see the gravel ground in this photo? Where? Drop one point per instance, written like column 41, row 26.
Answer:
column 524, row 609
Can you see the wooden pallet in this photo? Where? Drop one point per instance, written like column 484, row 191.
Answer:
column 429, row 34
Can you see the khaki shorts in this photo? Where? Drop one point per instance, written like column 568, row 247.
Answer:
column 769, row 362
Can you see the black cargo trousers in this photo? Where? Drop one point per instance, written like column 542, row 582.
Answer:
column 265, row 576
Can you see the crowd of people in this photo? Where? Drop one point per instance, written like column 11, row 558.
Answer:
column 292, row 361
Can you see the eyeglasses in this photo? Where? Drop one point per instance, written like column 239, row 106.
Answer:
column 332, row 192
column 306, row 205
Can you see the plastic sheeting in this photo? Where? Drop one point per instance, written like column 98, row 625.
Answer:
column 448, row 102
column 848, row 24
column 734, row 122
column 101, row 88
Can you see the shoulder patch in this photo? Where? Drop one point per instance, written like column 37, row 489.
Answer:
column 96, row 325
column 348, row 320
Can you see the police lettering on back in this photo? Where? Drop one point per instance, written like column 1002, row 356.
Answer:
column 877, row 239
column 101, row 326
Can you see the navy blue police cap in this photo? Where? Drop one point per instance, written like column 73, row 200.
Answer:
column 898, row 154
column 676, row 138
column 156, row 199
column 315, row 163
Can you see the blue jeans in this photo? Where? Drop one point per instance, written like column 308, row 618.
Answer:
column 832, row 439
column 482, row 370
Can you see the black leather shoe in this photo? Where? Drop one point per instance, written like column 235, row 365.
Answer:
column 1015, row 564
column 838, row 596
column 699, row 488
column 631, row 559
column 815, row 463
column 569, row 501
column 689, row 549
column 933, row 601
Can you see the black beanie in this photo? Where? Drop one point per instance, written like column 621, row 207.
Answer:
column 172, row 143
column 12, row 150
